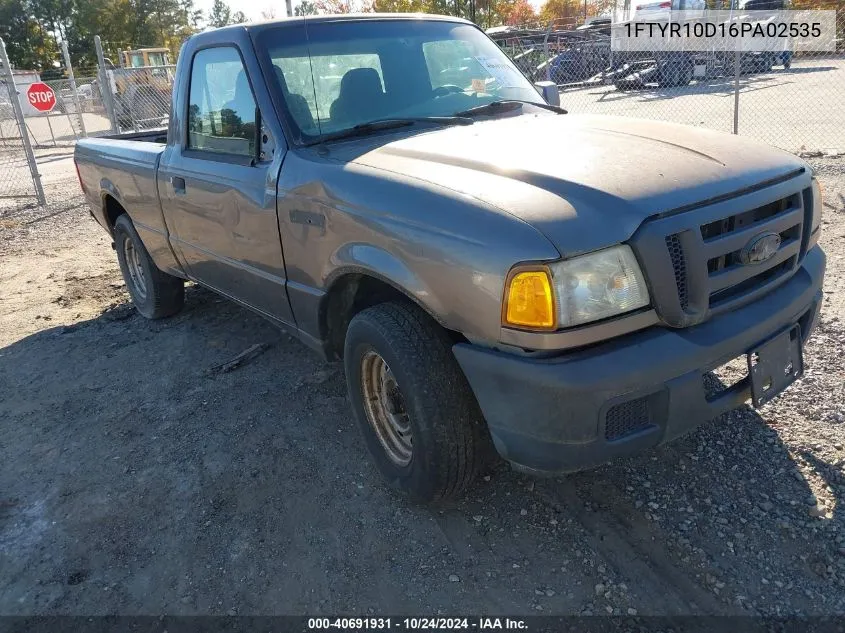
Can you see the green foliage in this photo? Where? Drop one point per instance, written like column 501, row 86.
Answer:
column 29, row 42
column 306, row 7
column 220, row 15
column 33, row 28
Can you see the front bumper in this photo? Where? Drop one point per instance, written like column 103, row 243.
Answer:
column 564, row 414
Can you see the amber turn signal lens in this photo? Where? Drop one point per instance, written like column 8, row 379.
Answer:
column 529, row 300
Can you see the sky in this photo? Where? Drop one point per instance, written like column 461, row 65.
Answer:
column 253, row 8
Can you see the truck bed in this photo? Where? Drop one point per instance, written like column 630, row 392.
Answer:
column 123, row 168
column 150, row 136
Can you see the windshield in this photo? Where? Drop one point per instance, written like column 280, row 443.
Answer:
column 351, row 72
column 157, row 59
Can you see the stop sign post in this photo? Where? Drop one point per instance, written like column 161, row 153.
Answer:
column 41, row 97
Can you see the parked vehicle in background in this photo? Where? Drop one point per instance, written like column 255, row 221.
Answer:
column 665, row 10
column 483, row 288
column 142, row 87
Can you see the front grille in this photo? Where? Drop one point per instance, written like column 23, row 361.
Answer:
column 725, row 239
column 709, row 259
column 760, row 279
column 626, row 418
column 740, row 220
column 679, row 267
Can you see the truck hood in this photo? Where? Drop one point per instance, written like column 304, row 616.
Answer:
column 583, row 181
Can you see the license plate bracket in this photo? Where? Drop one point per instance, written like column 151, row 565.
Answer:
column 775, row 364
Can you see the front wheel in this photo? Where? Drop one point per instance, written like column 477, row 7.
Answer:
column 154, row 293
column 418, row 415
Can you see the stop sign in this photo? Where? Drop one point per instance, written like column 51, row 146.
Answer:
column 41, row 96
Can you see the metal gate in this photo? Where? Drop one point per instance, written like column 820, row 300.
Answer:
column 20, row 183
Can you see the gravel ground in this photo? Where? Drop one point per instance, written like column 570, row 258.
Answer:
column 134, row 479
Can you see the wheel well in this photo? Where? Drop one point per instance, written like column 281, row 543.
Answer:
column 113, row 210
column 348, row 296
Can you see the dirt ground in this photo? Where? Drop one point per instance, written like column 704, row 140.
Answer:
column 134, row 479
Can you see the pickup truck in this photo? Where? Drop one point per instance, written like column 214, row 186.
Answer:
column 496, row 275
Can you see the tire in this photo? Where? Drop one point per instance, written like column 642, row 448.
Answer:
column 155, row 294
column 449, row 439
column 675, row 74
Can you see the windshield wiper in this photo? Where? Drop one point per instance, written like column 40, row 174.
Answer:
column 506, row 105
column 363, row 129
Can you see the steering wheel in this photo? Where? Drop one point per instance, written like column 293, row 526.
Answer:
column 442, row 91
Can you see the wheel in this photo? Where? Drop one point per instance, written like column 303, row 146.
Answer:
column 687, row 75
column 155, row 294
column 675, row 74
column 418, row 415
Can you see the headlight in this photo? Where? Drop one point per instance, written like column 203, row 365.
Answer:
column 575, row 291
column 598, row 285
column 816, row 224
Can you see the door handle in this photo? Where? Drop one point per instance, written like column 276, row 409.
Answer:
column 178, row 184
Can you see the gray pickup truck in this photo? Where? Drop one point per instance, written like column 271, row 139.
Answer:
column 496, row 275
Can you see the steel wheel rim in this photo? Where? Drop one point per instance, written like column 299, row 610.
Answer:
column 384, row 405
column 133, row 265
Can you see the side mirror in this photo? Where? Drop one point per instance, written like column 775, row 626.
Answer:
column 549, row 92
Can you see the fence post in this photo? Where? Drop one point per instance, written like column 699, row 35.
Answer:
column 105, row 84
column 546, row 53
column 737, row 56
column 72, row 81
column 16, row 108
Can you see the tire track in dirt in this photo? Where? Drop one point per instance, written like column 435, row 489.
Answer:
column 629, row 543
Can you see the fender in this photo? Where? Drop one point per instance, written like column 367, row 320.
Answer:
column 108, row 188
column 378, row 263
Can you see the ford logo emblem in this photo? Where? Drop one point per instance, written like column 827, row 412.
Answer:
column 761, row 248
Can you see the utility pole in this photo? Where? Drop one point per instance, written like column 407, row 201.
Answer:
column 289, row 8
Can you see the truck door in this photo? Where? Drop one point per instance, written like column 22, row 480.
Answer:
column 217, row 181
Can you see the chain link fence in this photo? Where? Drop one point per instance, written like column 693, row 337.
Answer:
column 140, row 97
column 97, row 100
column 791, row 99
column 16, row 184
column 20, row 184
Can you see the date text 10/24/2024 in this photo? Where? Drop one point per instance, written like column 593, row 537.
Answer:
column 417, row 623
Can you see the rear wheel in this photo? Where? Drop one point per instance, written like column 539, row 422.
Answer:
column 155, row 294
column 418, row 415
column 675, row 74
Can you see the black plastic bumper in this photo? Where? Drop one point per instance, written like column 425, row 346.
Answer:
column 563, row 414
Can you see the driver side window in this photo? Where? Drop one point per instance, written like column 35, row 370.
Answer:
column 221, row 107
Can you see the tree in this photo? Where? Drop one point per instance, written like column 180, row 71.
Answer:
column 238, row 17
column 306, row 7
column 402, row 6
column 220, row 14
column 344, row 6
column 32, row 28
column 559, row 9
column 29, row 42
column 269, row 13
column 521, row 13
